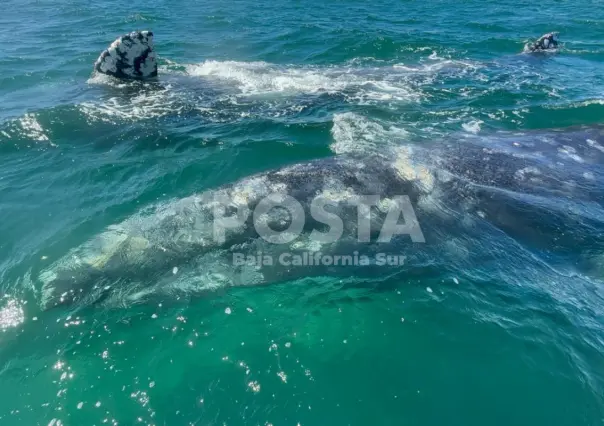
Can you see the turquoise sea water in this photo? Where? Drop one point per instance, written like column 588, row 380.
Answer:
column 249, row 86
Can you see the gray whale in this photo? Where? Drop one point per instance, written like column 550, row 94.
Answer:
column 130, row 56
column 547, row 42
column 543, row 191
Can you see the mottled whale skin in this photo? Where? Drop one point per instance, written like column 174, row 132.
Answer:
column 547, row 42
column 130, row 57
column 542, row 190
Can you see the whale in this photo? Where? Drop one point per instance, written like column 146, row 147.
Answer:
column 130, row 57
column 463, row 200
column 547, row 42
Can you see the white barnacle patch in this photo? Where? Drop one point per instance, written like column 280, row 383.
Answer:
column 278, row 187
column 306, row 244
column 130, row 56
column 215, row 200
column 248, row 190
column 336, row 192
column 547, row 41
column 406, row 168
column 385, row 204
column 570, row 152
column 290, row 170
column 595, row 145
column 527, row 173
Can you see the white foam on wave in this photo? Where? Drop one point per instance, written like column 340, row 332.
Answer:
column 154, row 103
column 367, row 84
column 592, row 102
column 28, row 126
column 270, row 84
column 438, row 64
column 107, row 80
column 473, row 126
column 32, row 128
column 11, row 313
column 354, row 133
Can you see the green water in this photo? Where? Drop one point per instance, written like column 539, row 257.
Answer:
column 245, row 87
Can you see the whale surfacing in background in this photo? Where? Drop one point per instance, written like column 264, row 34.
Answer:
column 547, row 42
column 129, row 57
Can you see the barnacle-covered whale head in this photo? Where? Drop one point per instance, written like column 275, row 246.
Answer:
column 130, row 56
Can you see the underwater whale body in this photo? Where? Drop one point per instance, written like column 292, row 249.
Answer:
column 470, row 200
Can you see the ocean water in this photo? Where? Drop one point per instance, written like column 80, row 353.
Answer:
column 246, row 87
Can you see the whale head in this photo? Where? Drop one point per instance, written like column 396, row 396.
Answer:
column 546, row 42
column 130, row 56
